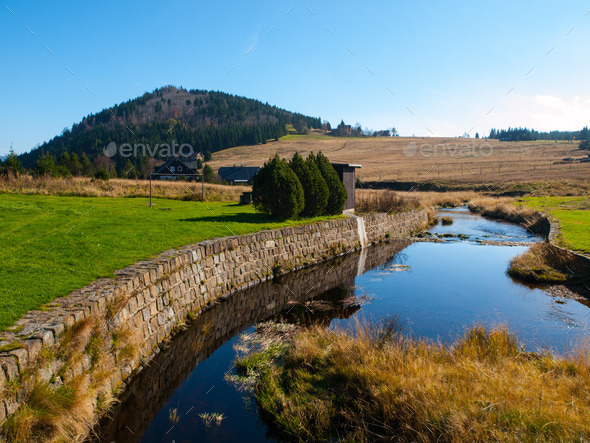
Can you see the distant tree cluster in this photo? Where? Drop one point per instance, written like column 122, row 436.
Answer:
column 344, row 130
column 525, row 134
column 307, row 187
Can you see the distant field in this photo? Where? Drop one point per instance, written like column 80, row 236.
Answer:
column 444, row 160
column 87, row 187
column 573, row 214
column 52, row 245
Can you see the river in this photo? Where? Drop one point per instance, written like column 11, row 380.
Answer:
column 436, row 289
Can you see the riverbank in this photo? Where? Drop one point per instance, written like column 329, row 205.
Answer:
column 547, row 263
column 377, row 384
column 85, row 346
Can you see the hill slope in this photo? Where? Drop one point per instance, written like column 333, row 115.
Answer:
column 208, row 121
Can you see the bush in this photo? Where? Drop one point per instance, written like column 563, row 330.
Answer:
column 314, row 186
column 447, row 221
column 277, row 191
column 336, row 188
column 585, row 145
column 102, row 174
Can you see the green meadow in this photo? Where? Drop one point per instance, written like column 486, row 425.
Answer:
column 50, row 245
column 573, row 214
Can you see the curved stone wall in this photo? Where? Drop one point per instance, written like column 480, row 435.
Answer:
column 112, row 328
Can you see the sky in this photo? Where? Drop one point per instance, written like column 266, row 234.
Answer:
column 427, row 68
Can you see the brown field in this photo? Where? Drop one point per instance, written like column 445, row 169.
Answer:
column 86, row 187
column 445, row 160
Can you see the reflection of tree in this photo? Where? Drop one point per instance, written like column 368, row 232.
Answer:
column 322, row 309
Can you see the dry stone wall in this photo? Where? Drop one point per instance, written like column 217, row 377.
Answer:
column 145, row 304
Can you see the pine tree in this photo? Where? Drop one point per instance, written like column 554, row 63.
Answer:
column 12, row 164
column 277, row 191
column 209, row 174
column 314, row 186
column 45, row 165
column 87, row 168
column 338, row 192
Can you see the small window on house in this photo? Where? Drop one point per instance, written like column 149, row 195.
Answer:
column 172, row 169
column 180, row 169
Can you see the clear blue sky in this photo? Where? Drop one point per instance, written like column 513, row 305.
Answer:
column 449, row 63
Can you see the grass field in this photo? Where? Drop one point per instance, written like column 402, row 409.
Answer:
column 573, row 214
column 52, row 245
column 529, row 166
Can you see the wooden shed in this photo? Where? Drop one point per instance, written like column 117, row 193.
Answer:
column 347, row 173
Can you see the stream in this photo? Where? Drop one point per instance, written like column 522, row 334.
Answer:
column 437, row 290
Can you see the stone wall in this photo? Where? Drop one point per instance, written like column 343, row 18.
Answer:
column 131, row 315
column 153, row 386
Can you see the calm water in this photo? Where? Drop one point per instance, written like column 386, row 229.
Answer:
column 438, row 289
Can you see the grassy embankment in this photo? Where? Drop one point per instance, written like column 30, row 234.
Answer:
column 377, row 384
column 53, row 245
column 573, row 216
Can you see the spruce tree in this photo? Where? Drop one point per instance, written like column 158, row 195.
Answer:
column 277, row 191
column 314, row 186
column 338, row 192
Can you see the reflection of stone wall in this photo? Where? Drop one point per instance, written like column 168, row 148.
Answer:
column 149, row 299
column 152, row 387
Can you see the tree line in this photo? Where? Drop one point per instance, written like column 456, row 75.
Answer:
column 525, row 134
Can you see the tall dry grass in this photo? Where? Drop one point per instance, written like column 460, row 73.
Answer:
column 87, row 187
column 502, row 208
column 378, row 385
column 370, row 200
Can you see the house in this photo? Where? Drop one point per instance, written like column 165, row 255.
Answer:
column 347, row 173
column 235, row 175
column 172, row 169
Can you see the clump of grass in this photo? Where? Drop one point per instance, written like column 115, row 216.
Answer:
column 358, row 386
column 212, row 418
column 446, row 221
column 48, row 414
column 391, row 202
column 173, row 416
column 539, row 264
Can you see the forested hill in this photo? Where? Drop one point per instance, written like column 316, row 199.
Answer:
column 209, row 121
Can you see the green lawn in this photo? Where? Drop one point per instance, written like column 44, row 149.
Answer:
column 52, row 245
column 573, row 214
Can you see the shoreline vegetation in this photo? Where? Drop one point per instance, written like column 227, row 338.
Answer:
column 375, row 383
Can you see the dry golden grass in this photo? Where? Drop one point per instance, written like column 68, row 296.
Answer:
column 87, row 187
column 367, row 201
column 539, row 264
column 377, row 385
column 457, row 161
column 68, row 406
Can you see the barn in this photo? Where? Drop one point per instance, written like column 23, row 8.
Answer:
column 347, row 173
column 236, row 175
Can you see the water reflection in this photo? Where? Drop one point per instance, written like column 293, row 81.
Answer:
column 182, row 382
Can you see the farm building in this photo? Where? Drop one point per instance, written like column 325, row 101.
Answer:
column 347, row 173
column 172, row 169
column 238, row 174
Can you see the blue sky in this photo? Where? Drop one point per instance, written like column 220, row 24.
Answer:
column 424, row 67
